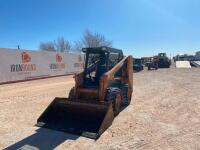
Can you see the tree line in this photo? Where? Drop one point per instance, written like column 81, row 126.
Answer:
column 89, row 39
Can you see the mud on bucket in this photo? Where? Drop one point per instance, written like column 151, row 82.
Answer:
column 77, row 117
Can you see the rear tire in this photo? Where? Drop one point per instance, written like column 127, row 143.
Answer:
column 72, row 93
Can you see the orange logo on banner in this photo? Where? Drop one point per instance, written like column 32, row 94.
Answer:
column 25, row 57
column 24, row 67
column 58, row 58
column 57, row 65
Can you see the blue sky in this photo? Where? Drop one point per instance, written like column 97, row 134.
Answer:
column 140, row 27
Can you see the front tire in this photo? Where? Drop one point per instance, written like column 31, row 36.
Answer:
column 114, row 96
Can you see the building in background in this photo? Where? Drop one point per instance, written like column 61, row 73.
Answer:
column 186, row 57
column 197, row 56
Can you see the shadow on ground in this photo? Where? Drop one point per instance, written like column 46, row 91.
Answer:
column 44, row 139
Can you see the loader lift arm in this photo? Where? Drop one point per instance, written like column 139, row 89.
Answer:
column 126, row 78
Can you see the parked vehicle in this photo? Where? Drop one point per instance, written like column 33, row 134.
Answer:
column 137, row 65
column 152, row 64
column 163, row 60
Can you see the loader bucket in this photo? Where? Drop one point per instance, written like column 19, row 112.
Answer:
column 87, row 119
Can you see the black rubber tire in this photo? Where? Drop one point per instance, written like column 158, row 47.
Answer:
column 72, row 93
column 112, row 94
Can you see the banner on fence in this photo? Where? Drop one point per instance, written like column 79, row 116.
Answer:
column 23, row 65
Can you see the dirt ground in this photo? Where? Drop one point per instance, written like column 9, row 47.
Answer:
column 164, row 114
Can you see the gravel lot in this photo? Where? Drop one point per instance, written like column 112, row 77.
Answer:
column 164, row 114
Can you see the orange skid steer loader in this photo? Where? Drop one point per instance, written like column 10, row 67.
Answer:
column 101, row 91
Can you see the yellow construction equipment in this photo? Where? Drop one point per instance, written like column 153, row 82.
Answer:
column 101, row 91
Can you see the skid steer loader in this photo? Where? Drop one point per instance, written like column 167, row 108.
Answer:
column 101, row 91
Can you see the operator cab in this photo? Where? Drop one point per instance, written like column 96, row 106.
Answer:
column 162, row 54
column 98, row 61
